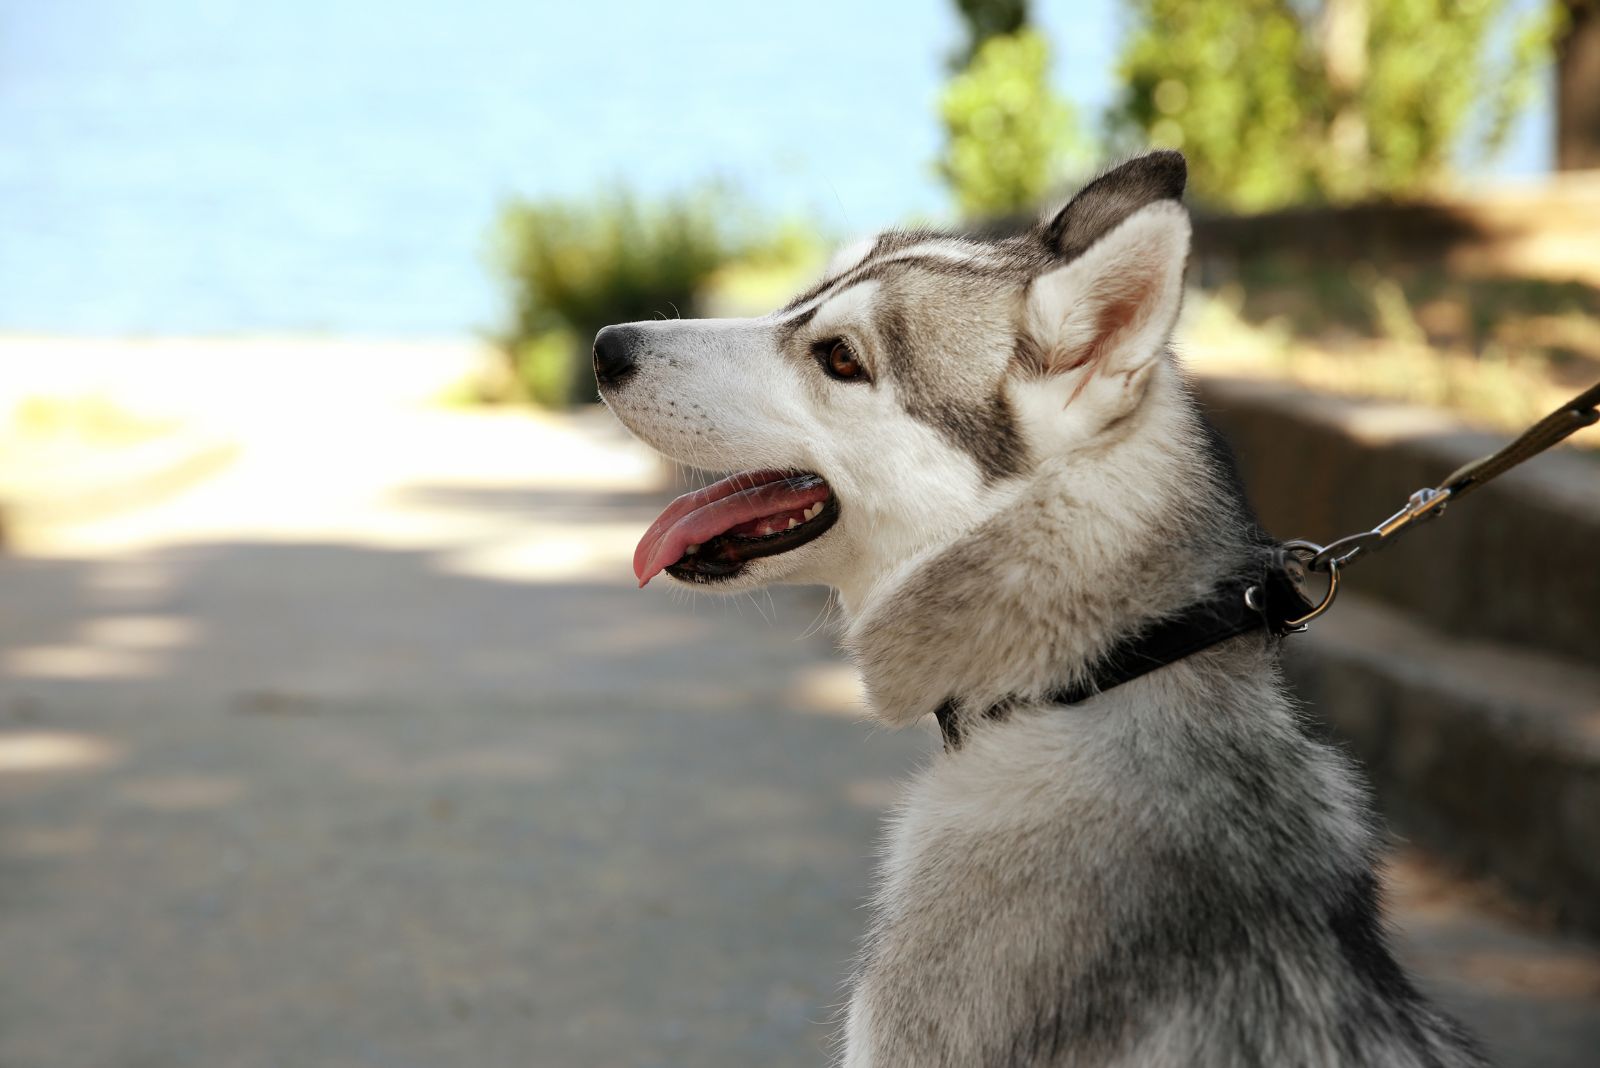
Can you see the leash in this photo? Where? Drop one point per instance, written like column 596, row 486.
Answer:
column 1571, row 417
column 1272, row 596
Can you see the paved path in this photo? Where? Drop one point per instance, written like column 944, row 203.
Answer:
column 368, row 753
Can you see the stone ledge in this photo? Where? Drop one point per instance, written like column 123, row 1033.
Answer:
column 1486, row 753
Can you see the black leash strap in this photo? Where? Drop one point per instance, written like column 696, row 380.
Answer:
column 1273, row 598
column 1579, row 412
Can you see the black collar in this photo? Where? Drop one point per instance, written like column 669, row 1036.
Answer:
column 1268, row 597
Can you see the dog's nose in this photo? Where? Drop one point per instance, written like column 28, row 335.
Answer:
column 614, row 351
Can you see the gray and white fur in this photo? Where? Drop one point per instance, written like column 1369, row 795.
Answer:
column 1175, row 872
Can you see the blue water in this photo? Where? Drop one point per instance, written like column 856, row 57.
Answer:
column 234, row 166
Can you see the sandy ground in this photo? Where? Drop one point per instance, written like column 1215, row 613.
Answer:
column 367, row 752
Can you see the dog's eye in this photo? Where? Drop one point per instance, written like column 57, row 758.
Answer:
column 840, row 361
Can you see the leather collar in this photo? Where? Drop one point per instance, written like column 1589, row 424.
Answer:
column 1268, row 597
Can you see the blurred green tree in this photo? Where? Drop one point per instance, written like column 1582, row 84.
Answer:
column 1008, row 136
column 1282, row 101
column 986, row 19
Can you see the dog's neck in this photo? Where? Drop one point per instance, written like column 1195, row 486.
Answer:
column 1092, row 545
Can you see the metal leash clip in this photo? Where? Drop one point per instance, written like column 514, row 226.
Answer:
column 1421, row 505
column 1581, row 411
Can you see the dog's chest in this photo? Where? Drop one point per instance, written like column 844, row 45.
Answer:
column 997, row 878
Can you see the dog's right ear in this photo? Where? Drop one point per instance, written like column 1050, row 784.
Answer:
column 1104, row 203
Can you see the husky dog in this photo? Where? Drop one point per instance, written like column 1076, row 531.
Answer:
column 987, row 449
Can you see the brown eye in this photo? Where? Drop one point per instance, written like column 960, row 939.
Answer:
column 840, row 361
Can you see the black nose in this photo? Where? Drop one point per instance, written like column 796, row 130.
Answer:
column 615, row 349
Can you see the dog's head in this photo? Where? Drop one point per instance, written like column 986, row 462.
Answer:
column 897, row 402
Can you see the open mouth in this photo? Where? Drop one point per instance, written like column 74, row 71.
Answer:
column 712, row 533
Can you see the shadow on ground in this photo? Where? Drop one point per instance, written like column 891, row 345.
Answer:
column 276, row 802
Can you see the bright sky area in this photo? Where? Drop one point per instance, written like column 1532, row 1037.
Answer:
column 233, row 167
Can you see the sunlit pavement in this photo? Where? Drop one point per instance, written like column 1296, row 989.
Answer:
column 368, row 753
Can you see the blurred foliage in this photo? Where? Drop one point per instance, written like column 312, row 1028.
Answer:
column 989, row 18
column 1500, row 352
column 767, row 273
column 1283, row 101
column 576, row 267
column 549, row 369
column 1431, row 70
column 1334, row 302
column 1008, row 136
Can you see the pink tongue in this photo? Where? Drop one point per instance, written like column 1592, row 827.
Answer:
column 698, row 517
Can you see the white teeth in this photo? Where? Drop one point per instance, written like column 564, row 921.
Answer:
column 792, row 524
column 691, row 550
column 814, row 511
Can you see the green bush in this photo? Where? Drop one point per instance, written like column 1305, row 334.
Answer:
column 549, row 369
column 573, row 268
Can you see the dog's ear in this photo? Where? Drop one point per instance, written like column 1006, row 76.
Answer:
column 1114, row 196
column 1104, row 318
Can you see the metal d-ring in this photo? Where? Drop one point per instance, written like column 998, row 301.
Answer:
column 1332, row 563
